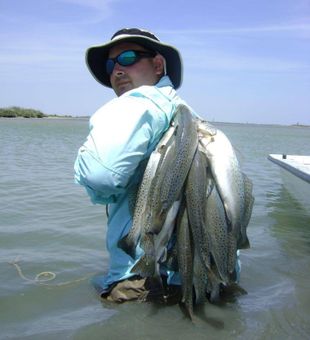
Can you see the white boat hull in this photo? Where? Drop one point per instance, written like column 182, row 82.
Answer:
column 295, row 171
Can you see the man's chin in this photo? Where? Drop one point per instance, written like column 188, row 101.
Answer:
column 123, row 88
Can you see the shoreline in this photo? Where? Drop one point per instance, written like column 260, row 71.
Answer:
column 212, row 122
column 47, row 117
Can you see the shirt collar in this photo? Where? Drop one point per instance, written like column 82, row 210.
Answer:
column 164, row 81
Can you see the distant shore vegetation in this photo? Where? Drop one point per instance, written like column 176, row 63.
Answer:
column 20, row 112
column 15, row 112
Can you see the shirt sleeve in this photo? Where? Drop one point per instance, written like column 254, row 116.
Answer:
column 121, row 134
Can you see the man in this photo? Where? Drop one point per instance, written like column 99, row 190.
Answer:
column 144, row 73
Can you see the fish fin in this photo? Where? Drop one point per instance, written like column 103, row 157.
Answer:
column 206, row 260
column 145, row 266
column 200, row 294
column 163, row 212
column 244, row 243
column 247, row 182
column 164, row 256
column 232, row 254
column 219, row 269
column 215, row 294
column 171, row 261
column 213, row 287
column 233, row 289
column 187, row 310
column 228, row 220
column 128, row 246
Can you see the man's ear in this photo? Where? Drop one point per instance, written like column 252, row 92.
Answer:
column 159, row 64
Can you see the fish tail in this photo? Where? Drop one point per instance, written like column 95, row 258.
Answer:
column 213, row 287
column 128, row 246
column 187, row 309
column 244, row 243
column 232, row 253
column 200, row 293
column 145, row 267
column 215, row 294
column 205, row 259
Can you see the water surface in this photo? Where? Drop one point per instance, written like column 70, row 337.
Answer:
column 47, row 224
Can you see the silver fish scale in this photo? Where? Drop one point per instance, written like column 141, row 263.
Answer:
column 172, row 172
column 155, row 212
column 232, row 252
column 129, row 242
column 167, row 184
column 151, row 199
column 227, row 175
column 200, row 279
column 155, row 246
column 198, row 165
column 243, row 242
column 213, row 284
column 149, row 227
column 186, row 144
column 196, row 199
column 239, row 189
column 185, row 258
column 154, row 202
column 141, row 216
column 217, row 228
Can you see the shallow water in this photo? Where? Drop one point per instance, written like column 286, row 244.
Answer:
column 47, row 224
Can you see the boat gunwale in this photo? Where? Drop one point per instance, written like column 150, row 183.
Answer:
column 297, row 172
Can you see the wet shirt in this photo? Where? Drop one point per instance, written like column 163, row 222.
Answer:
column 123, row 133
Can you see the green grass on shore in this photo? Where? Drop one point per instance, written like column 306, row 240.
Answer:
column 15, row 112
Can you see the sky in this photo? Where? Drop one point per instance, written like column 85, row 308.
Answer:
column 244, row 61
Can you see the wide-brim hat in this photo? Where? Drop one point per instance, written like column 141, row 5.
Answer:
column 96, row 56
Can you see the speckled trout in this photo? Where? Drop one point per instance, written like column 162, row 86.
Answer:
column 217, row 230
column 155, row 246
column 185, row 251
column 167, row 185
column 129, row 242
column 173, row 171
column 228, row 177
column 195, row 191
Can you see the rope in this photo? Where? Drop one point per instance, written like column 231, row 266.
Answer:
column 43, row 277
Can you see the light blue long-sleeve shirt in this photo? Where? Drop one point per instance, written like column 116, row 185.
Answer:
column 122, row 133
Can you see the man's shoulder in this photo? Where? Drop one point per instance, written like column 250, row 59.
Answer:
column 141, row 98
column 131, row 107
column 147, row 91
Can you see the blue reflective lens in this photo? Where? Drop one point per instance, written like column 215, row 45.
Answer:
column 127, row 58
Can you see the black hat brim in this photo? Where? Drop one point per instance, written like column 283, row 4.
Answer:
column 96, row 57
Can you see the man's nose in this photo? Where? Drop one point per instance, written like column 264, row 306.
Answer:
column 118, row 70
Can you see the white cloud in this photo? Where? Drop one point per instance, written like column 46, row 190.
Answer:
column 277, row 28
column 267, row 48
column 221, row 62
column 93, row 4
column 96, row 11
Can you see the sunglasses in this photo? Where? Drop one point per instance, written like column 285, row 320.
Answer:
column 127, row 58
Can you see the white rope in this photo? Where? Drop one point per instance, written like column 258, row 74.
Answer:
column 43, row 277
